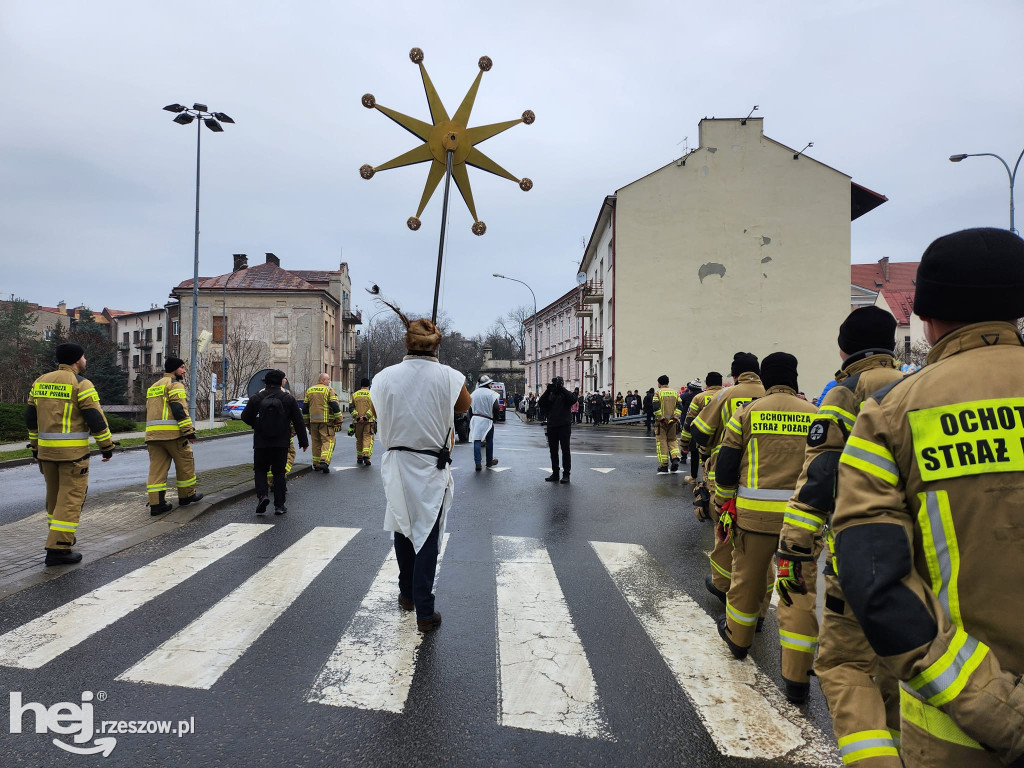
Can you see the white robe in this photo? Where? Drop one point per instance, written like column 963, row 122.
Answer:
column 415, row 404
column 484, row 399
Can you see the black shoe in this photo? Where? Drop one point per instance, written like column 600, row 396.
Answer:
column 479, row 467
column 366, row 461
column 280, row 510
column 797, row 693
column 675, row 465
column 565, row 478
column 492, row 463
column 359, row 460
column 723, row 631
column 325, row 469
column 552, row 478
column 160, row 509
column 710, row 584
column 262, row 504
column 184, row 502
column 760, row 623
column 663, row 469
column 62, row 557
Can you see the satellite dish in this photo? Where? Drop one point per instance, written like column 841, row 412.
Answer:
column 581, row 278
column 256, row 383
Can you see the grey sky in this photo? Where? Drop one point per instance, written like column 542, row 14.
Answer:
column 98, row 195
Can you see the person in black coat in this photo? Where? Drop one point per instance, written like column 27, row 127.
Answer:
column 556, row 402
column 272, row 424
column 649, row 409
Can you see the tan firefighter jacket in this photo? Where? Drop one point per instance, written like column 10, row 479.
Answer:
column 362, row 405
column 166, row 411
column 63, row 410
column 761, row 456
column 811, row 507
column 708, row 428
column 929, row 526
column 700, row 400
column 666, row 404
column 321, row 404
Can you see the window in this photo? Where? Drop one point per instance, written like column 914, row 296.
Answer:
column 147, row 360
column 174, row 328
column 218, row 329
column 159, row 359
column 135, row 361
column 124, row 337
column 135, row 336
column 149, row 335
column 159, row 333
column 48, row 334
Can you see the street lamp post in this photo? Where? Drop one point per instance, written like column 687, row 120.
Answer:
column 213, row 121
column 1011, row 174
column 536, row 363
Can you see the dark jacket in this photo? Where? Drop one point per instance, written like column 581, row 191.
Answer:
column 250, row 415
column 649, row 404
column 556, row 403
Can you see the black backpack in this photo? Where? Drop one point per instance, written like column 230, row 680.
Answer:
column 273, row 420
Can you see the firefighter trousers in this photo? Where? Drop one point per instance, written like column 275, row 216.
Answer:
column 67, row 482
column 364, row 439
column 667, row 436
column 161, row 454
column 322, row 439
column 753, row 578
column 862, row 695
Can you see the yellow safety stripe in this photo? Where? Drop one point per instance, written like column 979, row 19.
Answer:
column 933, row 721
column 741, row 618
column 63, row 525
column 797, row 642
column 733, row 425
column 720, row 569
column 725, row 493
column 761, row 505
column 33, row 435
column 864, row 744
column 752, row 461
column 162, row 428
column 102, row 436
column 837, row 414
column 942, row 553
column 184, row 423
column 871, row 458
column 65, row 424
column 63, row 443
column 943, row 680
column 187, row 483
column 87, row 394
column 802, row 519
column 702, row 426
column 156, row 488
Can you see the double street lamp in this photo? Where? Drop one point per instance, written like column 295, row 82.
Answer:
column 536, row 364
column 1011, row 174
column 213, row 121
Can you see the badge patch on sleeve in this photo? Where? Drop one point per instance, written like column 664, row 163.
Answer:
column 818, row 433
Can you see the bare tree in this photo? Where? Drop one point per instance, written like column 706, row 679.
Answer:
column 917, row 355
column 205, row 365
column 247, row 354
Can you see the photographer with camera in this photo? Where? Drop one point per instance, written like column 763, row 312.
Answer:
column 556, row 403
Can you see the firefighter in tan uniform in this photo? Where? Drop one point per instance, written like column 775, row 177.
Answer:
column 364, row 422
column 712, row 386
column 862, row 695
column 930, row 512
column 667, row 414
column 323, row 414
column 757, row 468
column 708, row 430
column 63, row 410
column 169, row 437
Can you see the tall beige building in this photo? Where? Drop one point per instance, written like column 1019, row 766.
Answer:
column 743, row 244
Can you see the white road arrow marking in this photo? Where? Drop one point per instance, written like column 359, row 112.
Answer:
column 499, row 469
column 342, row 469
column 603, row 470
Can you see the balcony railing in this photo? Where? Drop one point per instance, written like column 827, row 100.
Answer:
column 593, row 292
column 583, row 310
column 592, row 344
column 144, row 344
column 123, row 345
column 143, row 370
column 352, row 316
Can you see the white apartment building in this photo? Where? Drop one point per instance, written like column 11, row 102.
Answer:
column 558, row 339
column 141, row 339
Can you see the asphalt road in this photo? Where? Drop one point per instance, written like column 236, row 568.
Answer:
column 576, row 631
column 24, row 492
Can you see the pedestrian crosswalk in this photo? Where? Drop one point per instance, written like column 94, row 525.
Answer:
column 543, row 680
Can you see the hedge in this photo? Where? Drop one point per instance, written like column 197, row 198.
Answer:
column 12, row 423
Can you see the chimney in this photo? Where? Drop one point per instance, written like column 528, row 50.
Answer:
column 884, row 264
column 487, row 353
column 272, row 259
column 62, row 307
column 241, row 262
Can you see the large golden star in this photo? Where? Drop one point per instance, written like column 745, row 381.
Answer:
column 447, row 135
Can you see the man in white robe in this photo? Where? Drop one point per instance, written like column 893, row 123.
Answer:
column 416, row 402
column 481, row 426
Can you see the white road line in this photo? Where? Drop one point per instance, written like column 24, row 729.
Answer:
column 342, row 469
column 742, row 709
column 522, row 450
column 603, row 470
column 545, row 679
column 197, row 656
column 499, row 469
column 372, row 666
column 584, row 453
column 43, row 639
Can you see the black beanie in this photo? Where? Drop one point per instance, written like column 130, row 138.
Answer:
column 972, row 276
column 867, row 328
column 69, row 353
column 663, row 380
column 713, row 379
column 744, row 362
column 364, row 383
column 778, row 368
column 273, row 378
column 171, row 364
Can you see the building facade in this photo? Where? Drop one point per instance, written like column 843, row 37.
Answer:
column 743, row 244
column 890, row 286
column 300, row 321
column 558, row 339
column 142, row 342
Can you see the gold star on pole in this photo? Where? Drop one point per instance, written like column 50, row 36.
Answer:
column 447, row 139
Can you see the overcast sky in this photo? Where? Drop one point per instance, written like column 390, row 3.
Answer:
column 97, row 199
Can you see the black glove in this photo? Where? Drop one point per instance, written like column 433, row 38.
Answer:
column 108, row 453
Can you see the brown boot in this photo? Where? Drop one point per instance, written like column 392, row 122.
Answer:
column 429, row 625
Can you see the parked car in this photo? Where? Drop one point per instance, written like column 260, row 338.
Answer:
column 233, row 408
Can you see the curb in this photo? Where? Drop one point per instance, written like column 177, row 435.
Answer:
column 97, row 451
column 169, row 522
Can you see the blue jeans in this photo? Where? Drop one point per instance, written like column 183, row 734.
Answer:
column 490, row 448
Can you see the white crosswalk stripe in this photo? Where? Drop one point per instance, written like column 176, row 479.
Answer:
column 372, row 666
column 197, row 656
column 44, row 639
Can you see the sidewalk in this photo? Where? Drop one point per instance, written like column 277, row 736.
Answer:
column 111, row 522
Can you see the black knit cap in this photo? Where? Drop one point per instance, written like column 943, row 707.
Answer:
column 663, row 380
column 867, row 328
column 778, row 368
column 69, row 353
column 364, row 382
column 273, row 378
column 171, row 364
column 713, row 379
column 744, row 362
column 972, row 276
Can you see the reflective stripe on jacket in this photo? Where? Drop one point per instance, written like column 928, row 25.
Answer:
column 63, row 411
column 167, row 410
